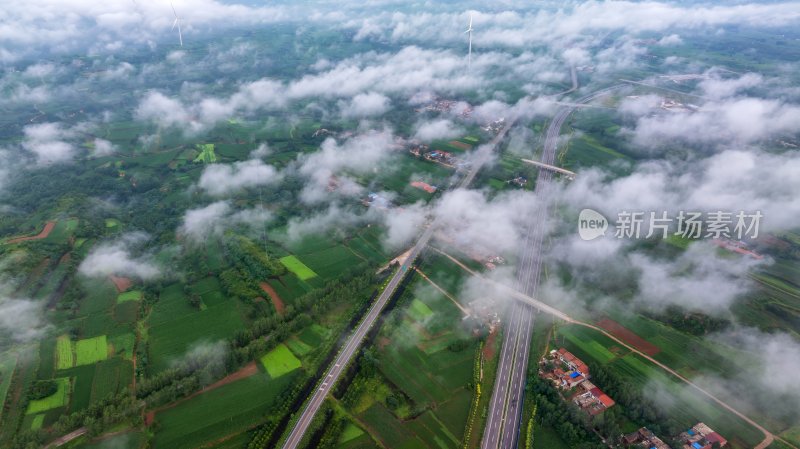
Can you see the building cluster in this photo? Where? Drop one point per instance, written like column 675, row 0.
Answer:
column 519, row 181
column 644, row 438
column 700, row 436
column 444, row 105
column 496, row 126
column 442, row 157
column 493, row 261
column 377, row 200
column 569, row 372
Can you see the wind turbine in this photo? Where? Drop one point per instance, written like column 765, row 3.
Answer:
column 176, row 22
column 469, row 31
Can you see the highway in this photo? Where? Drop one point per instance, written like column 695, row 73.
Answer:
column 505, row 407
column 350, row 349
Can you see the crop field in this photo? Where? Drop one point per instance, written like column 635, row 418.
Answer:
column 91, row 350
column 207, row 155
column 58, row 399
column 64, row 355
column 127, row 312
column 419, row 310
column 586, row 151
column 111, row 376
column 300, row 270
column 82, row 379
column 8, row 362
column 123, row 344
column 37, row 421
column 226, row 410
column 280, row 361
column 547, row 438
column 175, row 326
column 133, row 295
column 590, row 342
column 328, row 263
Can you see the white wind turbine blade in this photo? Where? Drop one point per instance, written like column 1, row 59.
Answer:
column 180, row 36
column 174, row 23
column 177, row 22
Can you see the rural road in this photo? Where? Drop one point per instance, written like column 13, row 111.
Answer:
column 505, row 407
column 350, row 348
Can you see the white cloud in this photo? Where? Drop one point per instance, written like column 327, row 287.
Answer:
column 47, row 142
column 225, row 179
column 214, row 219
column 118, row 258
column 437, row 129
column 366, row 105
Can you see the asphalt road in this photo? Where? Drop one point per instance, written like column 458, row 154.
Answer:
column 350, row 348
column 505, row 407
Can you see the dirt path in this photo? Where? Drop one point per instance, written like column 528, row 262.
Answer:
column 769, row 437
column 48, row 227
column 67, row 438
column 442, row 291
column 280, row 307
column 247, row 371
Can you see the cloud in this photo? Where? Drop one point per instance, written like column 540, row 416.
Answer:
column 103, row 147
column 734, row 120
column 21, row 319
column 672, row 39
column 214, row 219
column 366, row 105
column 47, row 142
column 327, row 168
column 437, row 129
column 226, row 179
column 403, row 224
column 119, row 258
column 718, row 88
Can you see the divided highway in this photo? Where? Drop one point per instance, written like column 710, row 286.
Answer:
column 505, row 407
column 350, row 348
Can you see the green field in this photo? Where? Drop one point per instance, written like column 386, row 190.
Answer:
column 64, row 354
column 280, row 361
column 8, row 362
column 224, row 411
column 112, row 223
column 175, row 326
column 58, row 399
column 419, row 310
column 294, row 265
column 91, row 350
column 133, row 295
column 37, row 421
column 350, row 432
column 207, row 155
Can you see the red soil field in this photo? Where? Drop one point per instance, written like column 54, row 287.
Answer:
column 122, row 284
column 462, row 145
column 48, row 227
column 273, row 295
column 424, row 186
column 628, row 337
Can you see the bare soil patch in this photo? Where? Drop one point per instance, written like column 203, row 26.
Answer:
column 628, row 336
column 48, row 227
column 121, row 283
column 280, row 307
